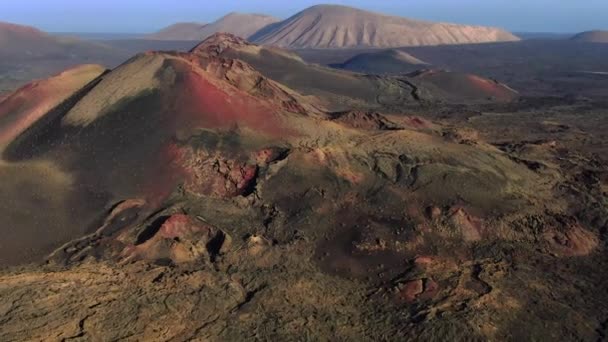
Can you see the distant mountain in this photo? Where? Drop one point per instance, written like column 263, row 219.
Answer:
column 330, row 26
column 383, row 62
column 27, row 53
column 26, row 42
column 99, row 35
column 592, row 37
column 180, row 31
column 240, row 24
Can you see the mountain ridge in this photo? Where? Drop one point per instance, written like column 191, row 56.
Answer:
column 336, row 26
column 240, row 24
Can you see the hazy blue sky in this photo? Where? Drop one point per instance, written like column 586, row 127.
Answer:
column 148, row 15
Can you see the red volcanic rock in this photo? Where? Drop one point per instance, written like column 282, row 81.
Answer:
column 364, row 120
column 213, row 175
column 418, row 289
column 268, row 155
column 492, row 88
column 423, row 261
column 245, row 78
column 180, row 239
column 411, row 290
column 21, row 109
column 431, row 288
column 433, row 212
column 265, row 156
column 222, row 94
column 179, row 226
column 573, row 241
column 417, row 122
column 469, row 226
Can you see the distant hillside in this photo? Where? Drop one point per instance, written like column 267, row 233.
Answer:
column 180, row 31
column 592, row 37
column 21, row 43
column 330, row 26
column 383, row 62
column 240, row 24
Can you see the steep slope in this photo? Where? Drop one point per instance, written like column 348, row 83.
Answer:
column 344, row 90
column 456, row 87
column 180, row 31
column 119, row 138
column 24, row 107
column 186, row 196
column 383, row 62
column 330, row 26
column 592, row 37
column 240, row 24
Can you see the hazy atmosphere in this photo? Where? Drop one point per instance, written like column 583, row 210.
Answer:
column 139, row 16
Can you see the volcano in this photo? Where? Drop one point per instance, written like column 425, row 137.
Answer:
column 225, row 191
column 240, row 24
column 333, row 26
column 384, row 62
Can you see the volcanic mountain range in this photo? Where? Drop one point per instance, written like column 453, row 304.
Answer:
column 117, row 125
column 236, row 187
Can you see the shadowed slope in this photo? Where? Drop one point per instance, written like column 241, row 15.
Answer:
column 383, row 62
column 24, row 107
column 120, row 138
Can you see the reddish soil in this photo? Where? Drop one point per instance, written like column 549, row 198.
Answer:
column 204, row 104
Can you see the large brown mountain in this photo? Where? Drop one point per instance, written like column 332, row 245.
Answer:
column 331, row 26
column 240, row 24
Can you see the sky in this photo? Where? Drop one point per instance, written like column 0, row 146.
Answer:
column 141, row 16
